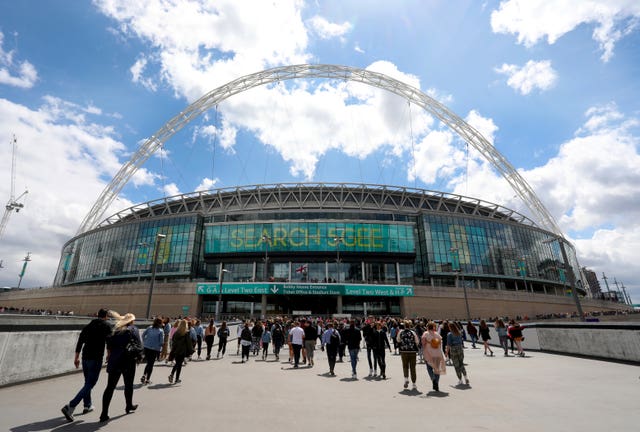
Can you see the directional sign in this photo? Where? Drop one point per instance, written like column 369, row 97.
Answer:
column 306, row 289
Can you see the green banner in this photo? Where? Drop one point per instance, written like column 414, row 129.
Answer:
column 309, row 236
column 305, row 289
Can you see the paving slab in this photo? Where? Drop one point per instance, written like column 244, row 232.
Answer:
column 541, row 392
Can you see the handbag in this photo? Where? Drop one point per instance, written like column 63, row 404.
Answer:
column 134, row 349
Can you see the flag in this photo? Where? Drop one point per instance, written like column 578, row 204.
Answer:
column 302, row 269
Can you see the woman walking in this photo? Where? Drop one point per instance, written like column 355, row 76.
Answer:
column 182, row 347
column 433, row 355
column 408, row 345
column 153, row 341
column 484, row 334
column 456, row 353
column 122, row 361
column 209, row 335
column 245, row 341
column 516, row 333
column 266, row 340
column 277, row 334
column 379, row 342
column 501, row 329
column 223, row 335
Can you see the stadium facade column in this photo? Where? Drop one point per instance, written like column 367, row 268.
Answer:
column 339, row 306
column 263, row 306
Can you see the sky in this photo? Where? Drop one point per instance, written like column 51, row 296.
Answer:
column 553, row 86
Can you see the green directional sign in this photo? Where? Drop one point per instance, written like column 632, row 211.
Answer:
column 306, row 289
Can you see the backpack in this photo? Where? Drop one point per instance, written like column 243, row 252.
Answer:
column 334, row 339
column 435, row 343
column 408, row 341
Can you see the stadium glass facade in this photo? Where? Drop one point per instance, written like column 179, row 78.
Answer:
column 317, row 235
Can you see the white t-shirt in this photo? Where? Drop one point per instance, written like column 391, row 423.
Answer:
column 297, row 335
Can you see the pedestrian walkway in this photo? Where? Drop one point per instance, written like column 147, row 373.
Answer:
column 541, row 392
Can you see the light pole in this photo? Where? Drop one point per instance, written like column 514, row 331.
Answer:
column 143, row 251
column 455, row 266
column 338, row 240
column 219, row 302
column 153, row 271
column 266, row 239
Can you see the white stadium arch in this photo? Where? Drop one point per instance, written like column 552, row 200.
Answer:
column 375, row 79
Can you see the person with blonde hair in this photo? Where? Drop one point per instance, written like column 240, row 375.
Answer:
column 181, row 348
column 433, row 355
column 124, row 351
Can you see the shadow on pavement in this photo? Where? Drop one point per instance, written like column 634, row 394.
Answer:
column 159, row 386
column 439, row 394
column 41, row 425
column 461, row 386
column 348, row 379
column 408, row 392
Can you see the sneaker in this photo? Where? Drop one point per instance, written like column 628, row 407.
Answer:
column 171, row 379
column 406, row 383
column 178, row 381
column 414, row 386
column 370, row 372
column 67, row 411
column 460, row 382
column 87, row 410
column 143, row 379
column 354, row 376
column 466, row 380
column 218, row 355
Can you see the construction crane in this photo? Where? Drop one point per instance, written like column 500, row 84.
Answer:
column 14, row 203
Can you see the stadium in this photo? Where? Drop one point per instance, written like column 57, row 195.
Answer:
column 318, row 248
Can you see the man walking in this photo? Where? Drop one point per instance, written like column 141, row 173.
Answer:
column 353, row 338
column 91, row 342
column 296, row 337
column 310, row 336
column 331, row 340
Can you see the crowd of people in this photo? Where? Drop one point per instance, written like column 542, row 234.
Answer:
column 178, row 341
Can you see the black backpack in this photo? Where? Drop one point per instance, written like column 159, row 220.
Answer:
column 408, row 341
column 334, row 339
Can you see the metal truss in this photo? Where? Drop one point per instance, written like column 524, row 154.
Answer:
column 307, row 197
column 375, row 79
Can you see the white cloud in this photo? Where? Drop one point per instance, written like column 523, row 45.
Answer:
column 530, row 76
column 171, row 189
column 357, row 49
column 328, row 30
column 137, row 71
column 17, row 74
column 206, row 184
column 533, row 20
column 202, row 45
column 485, row 126
column 65, row 161
column 435, row 157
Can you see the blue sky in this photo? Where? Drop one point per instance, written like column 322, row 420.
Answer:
column 553, row 85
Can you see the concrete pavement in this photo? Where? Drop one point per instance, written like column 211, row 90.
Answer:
column 541, row 392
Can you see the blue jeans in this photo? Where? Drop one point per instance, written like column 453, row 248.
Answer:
column 434, row 377
column 353, row 353
column 474, row 339
column 91, row 370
